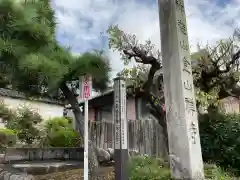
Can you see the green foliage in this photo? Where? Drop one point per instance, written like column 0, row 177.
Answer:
column 6, row 113
column 26, row 26
column 8, row 137
column 25, row 22
column 135, row 76
column 26, row 125
column 23, row 121
column 64, row 138
column 59, row 133
column 215, row 69
column 57, row 123
column 146, row 168
column 205, row 99
column 211, row 171
column 121, row 41
column 32, row 60
column 220, row 138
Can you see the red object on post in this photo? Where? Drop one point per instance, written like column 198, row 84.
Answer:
column 86, row 92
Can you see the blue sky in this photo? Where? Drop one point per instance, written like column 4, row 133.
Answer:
column 80, row 22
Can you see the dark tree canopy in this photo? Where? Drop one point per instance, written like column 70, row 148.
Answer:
column 32, row 61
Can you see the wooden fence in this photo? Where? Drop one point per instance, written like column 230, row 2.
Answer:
column 144, row 136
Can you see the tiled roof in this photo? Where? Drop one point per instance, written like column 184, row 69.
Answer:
column 98, row 96
column 16, row 94
column 108, row 92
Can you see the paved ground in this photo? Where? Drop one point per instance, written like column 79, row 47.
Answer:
column 42, row 167
column 39, row 167
column 67, row 170
column 107, row 173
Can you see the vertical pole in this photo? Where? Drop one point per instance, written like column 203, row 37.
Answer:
column 85, row 91
column 181, row 113
column 86, row 140
column 120, row 119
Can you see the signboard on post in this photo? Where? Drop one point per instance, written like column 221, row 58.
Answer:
column 120, row 121
column 85, row 87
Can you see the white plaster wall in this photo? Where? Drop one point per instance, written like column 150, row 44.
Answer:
column 71, row 115
column 1, row 124
column 45, row 110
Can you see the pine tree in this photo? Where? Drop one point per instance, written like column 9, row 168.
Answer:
column 32, row 61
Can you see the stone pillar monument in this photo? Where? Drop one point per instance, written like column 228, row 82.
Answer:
column 121, row 137
column 182, row 119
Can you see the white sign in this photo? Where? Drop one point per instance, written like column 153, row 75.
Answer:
column 123, row 115
column 117, row 116
column 120, row 116
column 85, row 87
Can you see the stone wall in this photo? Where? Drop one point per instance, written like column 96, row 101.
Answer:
column 31, row 154
column 5, row 175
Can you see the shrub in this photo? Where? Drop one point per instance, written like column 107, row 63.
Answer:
column 145, row 168
column 64, row 138
column 58, row 123
column 211, row 171
column 23, row 120
column 59, row 133
column 7, row 137
column 220, row 139
column 6, row 113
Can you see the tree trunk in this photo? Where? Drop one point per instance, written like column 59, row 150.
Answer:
column 153, row 94
column 93, row 163
column 79, row 120
column 165, row 133
column 163, row 122
column 75, row 107
column 157, row 111
column 93, row 159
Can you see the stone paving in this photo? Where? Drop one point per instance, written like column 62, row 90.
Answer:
column 21, row 170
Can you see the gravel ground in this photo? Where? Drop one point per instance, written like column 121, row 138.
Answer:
column 76, row 174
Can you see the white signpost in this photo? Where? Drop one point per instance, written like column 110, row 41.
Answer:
column 120, row 119
column 85, row 87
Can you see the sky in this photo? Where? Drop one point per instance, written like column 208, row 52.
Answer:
column 82, row 23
